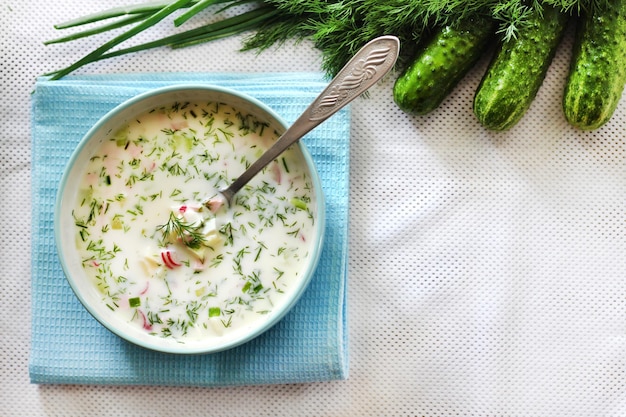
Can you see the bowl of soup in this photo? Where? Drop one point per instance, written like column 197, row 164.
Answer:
column 149, row 246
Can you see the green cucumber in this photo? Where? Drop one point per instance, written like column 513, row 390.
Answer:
column 598, row 70
column 518, row 69
column 441, row 64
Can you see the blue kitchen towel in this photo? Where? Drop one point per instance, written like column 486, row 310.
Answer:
column 70, row 347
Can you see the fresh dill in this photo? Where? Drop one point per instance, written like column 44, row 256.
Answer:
column 188, row 233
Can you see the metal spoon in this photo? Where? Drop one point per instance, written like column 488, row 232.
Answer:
column 363, row 70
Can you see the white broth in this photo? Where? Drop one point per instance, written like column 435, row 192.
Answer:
column 156, row 241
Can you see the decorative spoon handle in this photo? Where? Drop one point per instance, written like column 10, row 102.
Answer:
column 364, row 70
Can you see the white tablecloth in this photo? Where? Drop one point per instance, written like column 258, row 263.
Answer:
column 487, row 271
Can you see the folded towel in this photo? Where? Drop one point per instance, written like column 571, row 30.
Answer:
column 70, row 347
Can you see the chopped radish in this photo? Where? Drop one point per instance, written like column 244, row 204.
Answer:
column 146, row 323
column 214, row 204
column 179, row 125
column 168, row 259
column 145, row 290
column 276, row 172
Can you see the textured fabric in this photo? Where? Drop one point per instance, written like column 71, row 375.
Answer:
column 70, row 347
column 487, row 270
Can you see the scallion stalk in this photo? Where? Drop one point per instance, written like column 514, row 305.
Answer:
column 228, row 27
column 98, row 52
column 193, row 10
column 100, row 29
column 145, row 8
column 220, row 29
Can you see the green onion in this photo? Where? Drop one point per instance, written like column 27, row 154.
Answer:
column 193, row 10
column 228, row 27
column 298, row 203
column 147, row 8
column 134, row 302
column 104, row 28
column 150, row 21
column 220, row 29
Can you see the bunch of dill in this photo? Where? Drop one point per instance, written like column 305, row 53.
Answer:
column 339, row 28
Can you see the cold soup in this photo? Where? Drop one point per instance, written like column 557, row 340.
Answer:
column 162, row 249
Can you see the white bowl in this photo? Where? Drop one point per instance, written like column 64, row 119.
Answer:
column 133, row 300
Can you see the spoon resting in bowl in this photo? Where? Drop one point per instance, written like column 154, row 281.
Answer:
column 363, row 70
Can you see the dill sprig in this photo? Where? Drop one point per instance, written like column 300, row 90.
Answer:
column 188, row 233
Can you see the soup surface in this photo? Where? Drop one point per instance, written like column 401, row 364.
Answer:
column 162, row 249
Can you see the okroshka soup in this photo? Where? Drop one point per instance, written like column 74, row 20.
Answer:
column 148, row 244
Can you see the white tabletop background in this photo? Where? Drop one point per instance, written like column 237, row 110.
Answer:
column 487, row 271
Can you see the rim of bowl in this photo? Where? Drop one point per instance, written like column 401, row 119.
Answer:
column 169, row 346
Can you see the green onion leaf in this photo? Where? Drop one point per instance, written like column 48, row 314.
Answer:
column 97, row 53
column 193, row 10
column 104, row 28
